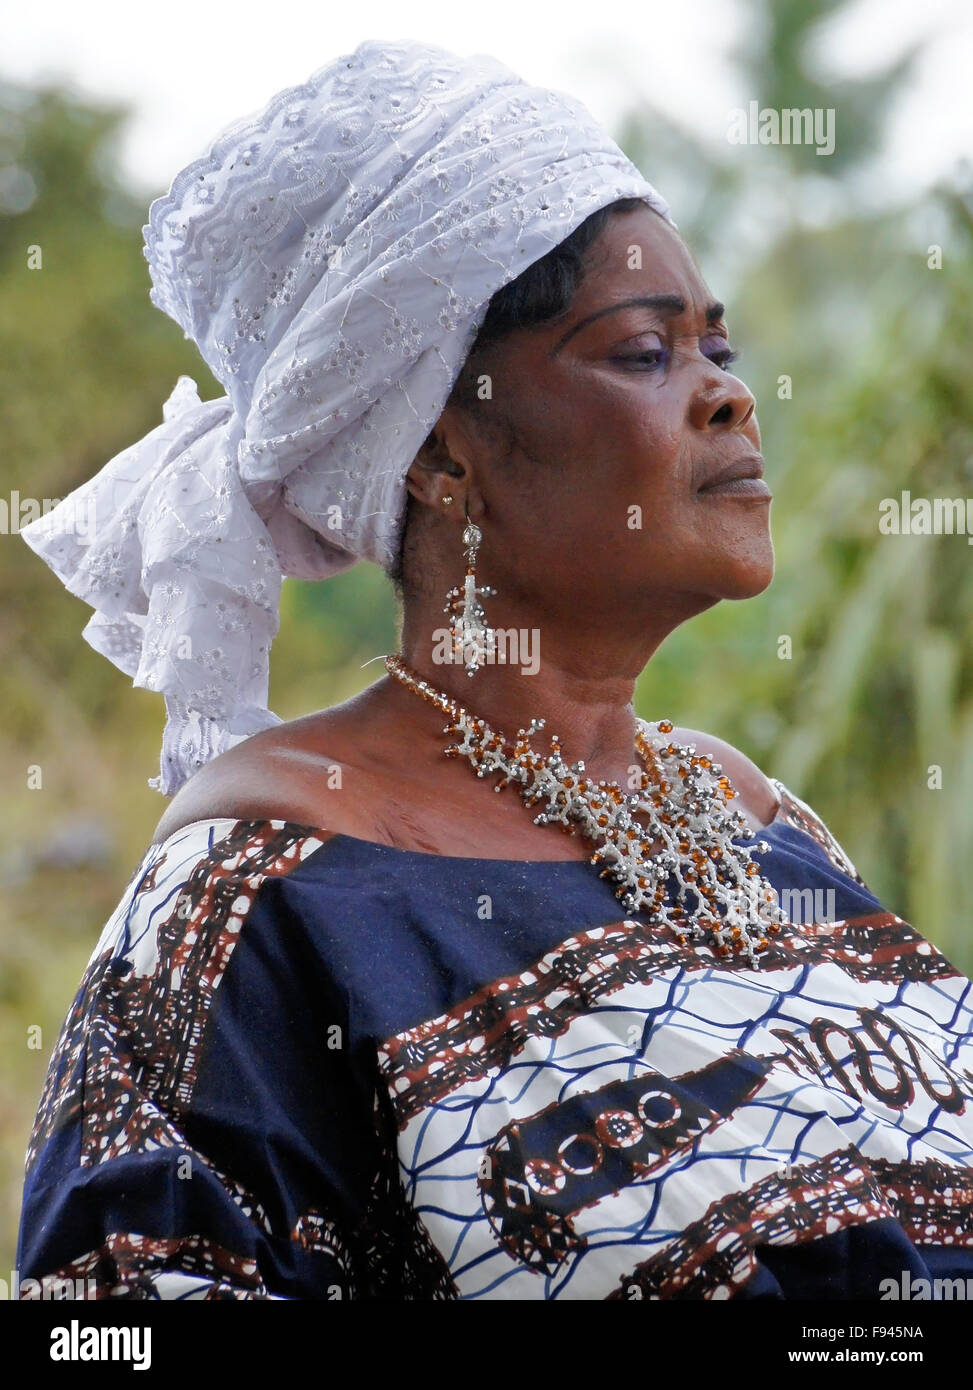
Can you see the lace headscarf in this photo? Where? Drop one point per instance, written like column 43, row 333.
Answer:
column 332, row 258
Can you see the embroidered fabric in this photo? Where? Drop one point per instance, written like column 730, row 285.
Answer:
column 332, row 257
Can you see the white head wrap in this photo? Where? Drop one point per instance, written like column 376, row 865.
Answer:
column 333, row 259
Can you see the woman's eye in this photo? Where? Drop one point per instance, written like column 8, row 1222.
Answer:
column 722, row 355
column 656, row 358
column 650, row 357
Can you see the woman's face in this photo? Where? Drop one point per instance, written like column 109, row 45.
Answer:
column 633, row 473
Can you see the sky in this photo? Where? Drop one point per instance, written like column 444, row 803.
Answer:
column 192, row 67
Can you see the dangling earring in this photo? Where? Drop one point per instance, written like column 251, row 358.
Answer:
column 473, row 640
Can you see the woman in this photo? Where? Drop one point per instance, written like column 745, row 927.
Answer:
column 359, row 1029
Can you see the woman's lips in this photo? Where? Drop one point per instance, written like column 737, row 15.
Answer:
column 738, row 487
column 741, row 478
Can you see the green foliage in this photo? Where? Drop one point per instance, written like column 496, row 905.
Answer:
column 777, row 58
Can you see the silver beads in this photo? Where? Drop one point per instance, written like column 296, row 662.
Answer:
column 698, row 858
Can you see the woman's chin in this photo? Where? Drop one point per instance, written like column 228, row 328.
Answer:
column 747, row 575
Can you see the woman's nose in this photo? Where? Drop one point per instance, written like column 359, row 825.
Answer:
column 722, row 403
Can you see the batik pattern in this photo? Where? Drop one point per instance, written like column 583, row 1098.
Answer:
column 124, row 1066
column 635, row 1117
column 617, row 1116
column 128, row 1046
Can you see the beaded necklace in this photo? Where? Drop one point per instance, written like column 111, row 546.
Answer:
column 720, row 894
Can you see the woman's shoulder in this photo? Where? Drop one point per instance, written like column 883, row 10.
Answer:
column 277, row 774
column 759, row 795
column 767, row 800
column 287, row 773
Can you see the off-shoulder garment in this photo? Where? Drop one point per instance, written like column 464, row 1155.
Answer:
column 311, row 1067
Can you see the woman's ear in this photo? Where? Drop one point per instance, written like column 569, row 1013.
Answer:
column 442, row 466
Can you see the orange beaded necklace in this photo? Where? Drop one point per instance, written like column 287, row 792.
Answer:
column 717, row 891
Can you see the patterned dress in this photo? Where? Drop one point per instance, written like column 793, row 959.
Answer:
column 311, row 1067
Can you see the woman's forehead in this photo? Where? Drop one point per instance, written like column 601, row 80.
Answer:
column 639, row 252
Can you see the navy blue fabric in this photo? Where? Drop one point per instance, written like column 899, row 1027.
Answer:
column 372, row 909
column 372, row 941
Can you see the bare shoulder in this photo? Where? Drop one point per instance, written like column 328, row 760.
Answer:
column 274, row 775
column 756, row 791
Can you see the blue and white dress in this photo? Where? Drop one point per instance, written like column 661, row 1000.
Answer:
column 302, row 1066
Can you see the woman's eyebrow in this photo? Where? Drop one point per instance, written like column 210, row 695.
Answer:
column 668, row 303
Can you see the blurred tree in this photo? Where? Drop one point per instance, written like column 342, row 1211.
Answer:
column 779, row 58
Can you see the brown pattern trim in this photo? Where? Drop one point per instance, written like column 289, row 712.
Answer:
column 128, row 1265
column 148, row 881
column 932, row 1201
column 714, row 1256
column 426, row 1063
column 316, row 1234
column 401, row 1259
column 795, row 812
column 126, row 1060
